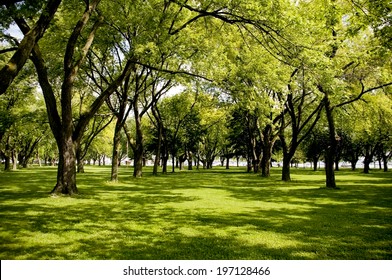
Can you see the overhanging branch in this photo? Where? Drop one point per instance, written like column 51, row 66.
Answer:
column 172, row 72
column 363, row 92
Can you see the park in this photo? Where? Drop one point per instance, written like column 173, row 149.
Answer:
column 195, row 129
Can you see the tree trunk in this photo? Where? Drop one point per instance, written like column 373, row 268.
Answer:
column 14, row 160
column 227, row 162
column 138, row 158
column 353, row 165
column 165, row 156
column 80, row 166
column 369, row 154
column 332, row 146
column 79, row 159
column 268, row 144
column 66, row 171
column 286, row 168
column 115, row 152
column 7, row 163
column 182, row 159
column 329, row 171
column 266, row 159
column 366, row 165
column 190, row 162
column 385, row 162
column 336, row 165
column 164, row 164
column 158, row 149
column 315, row 163
column 249, row 165
column 25, row 162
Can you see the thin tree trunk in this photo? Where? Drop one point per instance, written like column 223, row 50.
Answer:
column 138, row 153
column 332, row 146
column 158, row 151
column 173, row 163
column 115, row 152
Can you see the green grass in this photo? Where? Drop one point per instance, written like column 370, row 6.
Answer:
column 215, row 214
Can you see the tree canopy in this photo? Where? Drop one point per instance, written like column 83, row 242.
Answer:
column 256, row 79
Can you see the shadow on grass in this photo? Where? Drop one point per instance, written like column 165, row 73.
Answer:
column 196, row 215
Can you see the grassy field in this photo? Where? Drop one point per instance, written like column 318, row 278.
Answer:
column 215, row 214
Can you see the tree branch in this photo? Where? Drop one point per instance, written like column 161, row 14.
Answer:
column 18, row 60
column 173, row 72
column 363, row 92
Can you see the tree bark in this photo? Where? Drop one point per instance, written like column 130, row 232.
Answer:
column 115, row 152
column 268, row 144
column 138, row 147
column 66, row 171
column 286, row 176
column 190, row 160
column 158, row 149
column 332, row 146
column 14, row 154
column 165, row 153
column 315, row 163
column 266, row 160
column 385, row 162
column 7, row 163
column 368, row 159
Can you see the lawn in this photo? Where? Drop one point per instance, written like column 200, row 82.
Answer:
column 214, row 214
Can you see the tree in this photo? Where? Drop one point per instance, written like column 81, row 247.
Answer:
column 68, row 134
column 214, row 127
column 344, row 62
column 315, row 145
column 303, row 108
column 22, row 122
column 174, row 115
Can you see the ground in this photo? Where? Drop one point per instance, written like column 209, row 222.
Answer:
column 214, row 214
